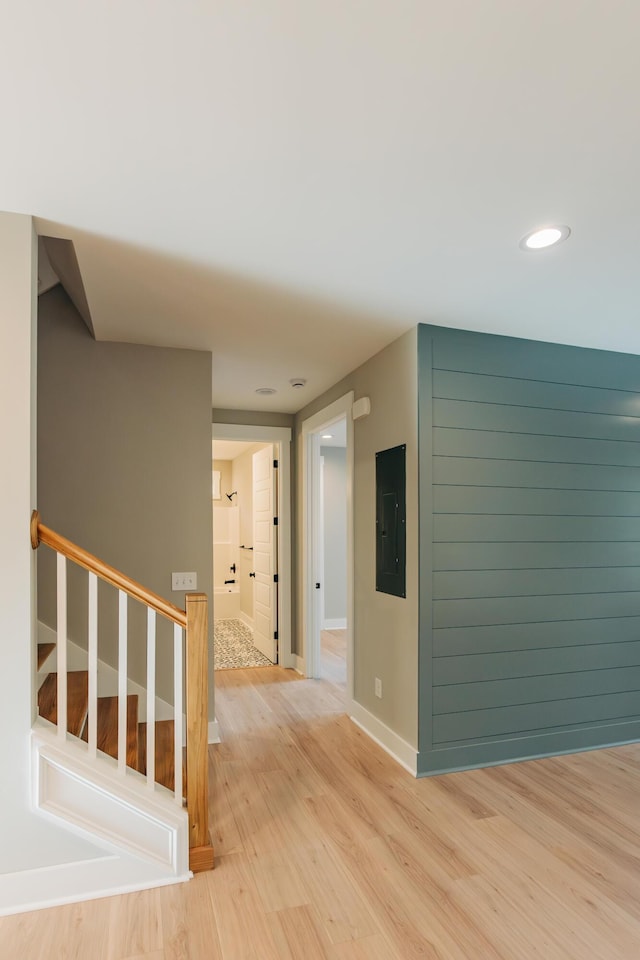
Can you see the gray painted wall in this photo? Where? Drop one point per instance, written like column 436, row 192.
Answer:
column 252, row 418
column 529, row 549
column 385, row 628
column 124, row 469
column 335, row 532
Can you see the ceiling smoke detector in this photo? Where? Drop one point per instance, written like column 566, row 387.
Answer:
column 265, row 391
column 297, row 383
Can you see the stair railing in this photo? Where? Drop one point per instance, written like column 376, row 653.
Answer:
column 193, row 621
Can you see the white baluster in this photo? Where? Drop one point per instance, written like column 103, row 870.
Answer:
column 177, row 700
column 92, row 719
column 122, row 682
column 151, row 698
column 61, row 693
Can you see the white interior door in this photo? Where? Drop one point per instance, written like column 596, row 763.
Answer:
column 264, row 553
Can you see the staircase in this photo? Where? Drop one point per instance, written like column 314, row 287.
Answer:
column 99, row 759
column 107, row 723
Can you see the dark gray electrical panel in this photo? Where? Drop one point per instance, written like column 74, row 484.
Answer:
column 391, row 521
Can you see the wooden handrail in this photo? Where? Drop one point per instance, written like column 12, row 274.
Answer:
column 41, row 534
column 194, row 621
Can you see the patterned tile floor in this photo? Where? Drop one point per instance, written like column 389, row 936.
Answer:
column 233, row 646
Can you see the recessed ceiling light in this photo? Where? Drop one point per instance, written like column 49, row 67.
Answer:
column 265, row 391
column 544, row 237
column 327, row 436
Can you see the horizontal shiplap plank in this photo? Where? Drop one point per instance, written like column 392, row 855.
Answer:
column 519, row 445
column 483, row 695
column 514, row 500
column 476, row 471
column 449, row 528
column 454, row 584
column 513, row 720
column 524, row 556
column 465, row 613
column 449, row 385
column 506, row 637
column 465, row 351
column 535, row 663
column 464, row 415
column 480, row 751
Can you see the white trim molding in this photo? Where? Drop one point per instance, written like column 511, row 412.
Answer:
column 214, row 732
column 102, row 876
column 401, row 751
column 311, row 617
column 339, row 624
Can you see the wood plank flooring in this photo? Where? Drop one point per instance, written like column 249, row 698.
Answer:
column 325, row 848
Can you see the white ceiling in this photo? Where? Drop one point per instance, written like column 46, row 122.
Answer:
column 292, row 185
column 338, row 435
column 230, row 449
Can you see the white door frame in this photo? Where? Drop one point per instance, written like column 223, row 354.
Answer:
column 282, row 437
column 311, row 428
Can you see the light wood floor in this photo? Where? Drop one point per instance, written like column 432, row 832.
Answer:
column 327, row 849
column 333, row 657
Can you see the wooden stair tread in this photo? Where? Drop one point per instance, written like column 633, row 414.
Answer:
column 165, row 770
column 108, row 728
column 77, row 699
column 44, row 650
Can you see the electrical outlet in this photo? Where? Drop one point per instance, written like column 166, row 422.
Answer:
column 378, row 687
column 184, row 581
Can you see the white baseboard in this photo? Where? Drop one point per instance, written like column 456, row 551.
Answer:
column 214, row 732
column 98, row 803
column 339, row 624
column 298, row 664
column 247, row 620
column 385, row 737
column 54, row 886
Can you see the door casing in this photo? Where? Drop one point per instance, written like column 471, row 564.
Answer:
column 280, row 437
column 310, row 515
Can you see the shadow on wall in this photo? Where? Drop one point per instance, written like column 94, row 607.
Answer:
column 145, row 296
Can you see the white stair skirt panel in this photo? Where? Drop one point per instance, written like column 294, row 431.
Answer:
column 100, row 804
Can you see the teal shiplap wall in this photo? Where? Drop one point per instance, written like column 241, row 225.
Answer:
column 529, row 548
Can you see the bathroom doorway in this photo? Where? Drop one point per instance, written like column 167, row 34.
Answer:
column 251, row 578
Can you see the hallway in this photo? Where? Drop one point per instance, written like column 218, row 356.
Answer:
column 326, row 848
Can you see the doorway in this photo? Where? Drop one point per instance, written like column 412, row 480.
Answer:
column 251, row 547
column 332, row 550
column 327, row 602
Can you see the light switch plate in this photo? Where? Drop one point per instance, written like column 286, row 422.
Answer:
column 184, row 581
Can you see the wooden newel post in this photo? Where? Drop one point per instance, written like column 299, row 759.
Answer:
column 197, row 703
